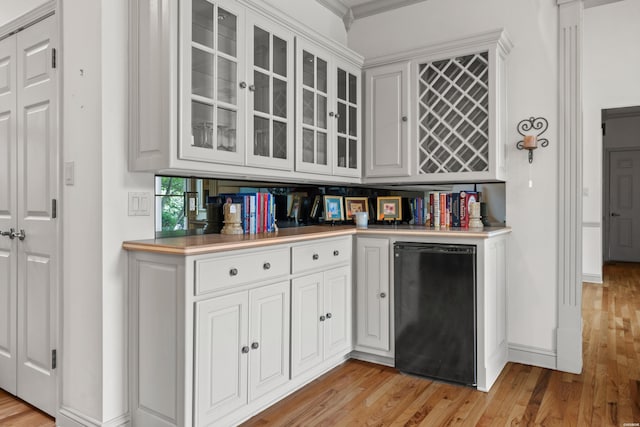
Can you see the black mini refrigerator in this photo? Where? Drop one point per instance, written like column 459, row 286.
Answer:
column 435, row 311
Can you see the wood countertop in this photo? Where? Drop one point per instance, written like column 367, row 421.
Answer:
column 211, row 243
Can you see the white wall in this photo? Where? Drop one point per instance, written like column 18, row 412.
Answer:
column 11, row 9
column 314, row 15
column 532, row 85
column 611, row 68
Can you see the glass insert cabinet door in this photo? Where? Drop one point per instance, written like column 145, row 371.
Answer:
column 347, row 122
column 270, row 95
column 213, row 58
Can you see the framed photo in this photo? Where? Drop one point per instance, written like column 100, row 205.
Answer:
column 355, row 204
column 390, row 208
column 333, row 208
column 315, row 208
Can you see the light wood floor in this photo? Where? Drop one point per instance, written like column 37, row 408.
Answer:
column 607, row 393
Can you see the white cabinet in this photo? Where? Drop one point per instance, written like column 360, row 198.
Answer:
column 387, row 115
column 373, row 297
column 328, row 103
column 320, row 318
column 457, row 123
column 241, row 349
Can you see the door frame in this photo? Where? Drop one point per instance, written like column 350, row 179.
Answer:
column 49, row 8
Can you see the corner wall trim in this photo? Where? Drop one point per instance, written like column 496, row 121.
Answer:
column 532, row 356
column 592, row 278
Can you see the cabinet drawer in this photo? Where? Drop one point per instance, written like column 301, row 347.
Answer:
column 218, row 273
column 320, row 254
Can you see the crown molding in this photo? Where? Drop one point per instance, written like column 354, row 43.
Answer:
column 594, row 3
column 374, row 7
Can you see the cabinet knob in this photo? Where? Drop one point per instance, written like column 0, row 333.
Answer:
column 404, row 118
column 315, row 257
column 243, row 85
column 255, row 345
column 322, row 318
column 331, row 114
column 245, row 349
column 233, row 272
column 252, row 88
column 336, row 252
column 266, row 266
column 328, row 315
column 383, row 295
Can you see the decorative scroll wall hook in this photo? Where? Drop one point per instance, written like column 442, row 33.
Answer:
column 531, row 130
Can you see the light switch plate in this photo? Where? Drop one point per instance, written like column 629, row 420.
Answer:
column 69, row 173
column 139, row 204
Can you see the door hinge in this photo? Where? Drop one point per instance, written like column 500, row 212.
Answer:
column 54, row 208
column 53, row 57
column 54, row 359
column 604, row 128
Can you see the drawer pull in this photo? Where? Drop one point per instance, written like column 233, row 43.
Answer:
column 383, row 295
column 266, row 266
column 322, row 318
column 245, row 349
column 233, row 272
column 328, row 315
column 336, row 252
column 315, row 257
column 255, row 345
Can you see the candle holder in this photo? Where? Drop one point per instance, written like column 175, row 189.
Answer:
column 531, row 130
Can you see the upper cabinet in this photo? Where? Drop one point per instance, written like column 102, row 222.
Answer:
column 328, row 111
column 214, row 87
column 438, row 114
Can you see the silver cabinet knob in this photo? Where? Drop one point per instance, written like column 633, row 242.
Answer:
column 336, row 252
column 322, row 318
column 328, row 315
column 243, row 85
column 255, row 345
column 233, row 272
column 245, row 349
column 383, row 295
column 404, row 118
column 20, row 234
column 266, row 266
column 315, row 257
column 252, row 88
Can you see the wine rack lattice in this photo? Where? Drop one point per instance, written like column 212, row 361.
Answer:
column 453, row 108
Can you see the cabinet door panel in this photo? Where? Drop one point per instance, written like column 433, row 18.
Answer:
column 269, row 329
column 337, row 307
column 306, row 326
column 221, row 366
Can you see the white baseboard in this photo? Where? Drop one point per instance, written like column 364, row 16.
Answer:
column 592, row 278
column 67, row 417
column 532, row 356
column 373, row 358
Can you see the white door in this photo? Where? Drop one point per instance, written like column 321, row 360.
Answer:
column 307, row 320
column 269, row 337
column 337, row 307
column 221, row 356
column 26, row 204
column 624, row 206
column 8, row 219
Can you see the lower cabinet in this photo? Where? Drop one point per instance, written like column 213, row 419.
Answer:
column 320, row 318
column 373, row 299
column 241, row 349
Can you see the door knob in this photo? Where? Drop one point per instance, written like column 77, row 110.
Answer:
column 615, row 214
column 328, row 315
column 383, row 295
column 245, row 349
column 322, row 318
column 255, row 345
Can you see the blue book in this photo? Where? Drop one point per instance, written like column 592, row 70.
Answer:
column 455, row 209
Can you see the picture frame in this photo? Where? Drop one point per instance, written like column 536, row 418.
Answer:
column 333, row 210
column 355, row 204
column 389, row 208
column 316, row 210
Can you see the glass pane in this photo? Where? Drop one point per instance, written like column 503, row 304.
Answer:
column 322, row 75
column 202, row 124
column 201, row 73
column 227, row 130
column 227, row 32
column 261, row 94
column 279, row 56
column 307, row 107
column 202, row 22
column 342, row 152
column 279, row 98
column 260, row 137
column 260, row 48
column 353, row 154
column 353, row 89
column 342, row 84
column 342, row 118
column 322, row 111
column 322, row 148
column 307, row 69
column 353, row 121
column 227, row 80
column 307, row 146
column 279, row 140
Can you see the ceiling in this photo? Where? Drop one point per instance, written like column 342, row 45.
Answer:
column 350, row 10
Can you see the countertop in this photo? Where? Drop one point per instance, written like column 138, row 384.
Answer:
column 211, row 243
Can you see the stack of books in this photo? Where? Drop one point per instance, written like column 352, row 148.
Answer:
column 450, row 209
column 258, row 210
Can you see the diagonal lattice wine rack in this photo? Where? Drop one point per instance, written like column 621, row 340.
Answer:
column 453, row 108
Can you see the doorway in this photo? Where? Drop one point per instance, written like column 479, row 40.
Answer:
column 621, row 184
